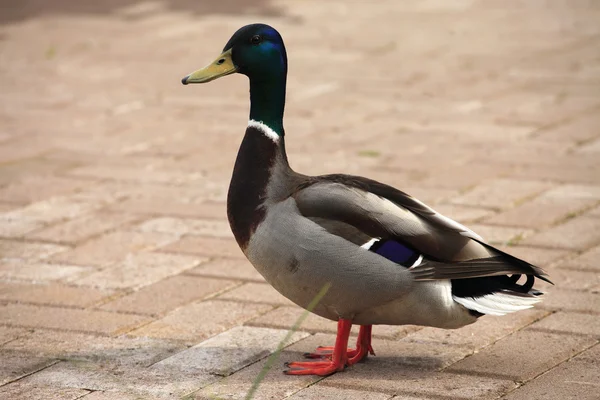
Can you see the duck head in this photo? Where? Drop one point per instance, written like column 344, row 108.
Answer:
column 255, row 50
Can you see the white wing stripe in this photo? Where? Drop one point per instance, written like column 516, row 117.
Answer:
column 417, row 262
column 369, row 243
column 497, row 303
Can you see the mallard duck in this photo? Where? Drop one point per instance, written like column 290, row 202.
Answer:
column 384, row 256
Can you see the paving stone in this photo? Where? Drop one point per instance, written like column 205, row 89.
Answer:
column 576, row 191
column 539, row 256
column 38, row 167
column 229, row 351
column 488, row 329
column 168, row 294
column 569, row 279
column 501, row 193
column 180, row 226
column 14, row 150
column 12, row 226
column 5, row 207
column 82, row 228
column 20, row 391
column 229, row 268
column 136, row 174
column 329, row 393
column 543, row 351
column 275, row 385
column 69, row 319
column 576, row 378
column 576, row 130
column 110, row 352
column 543, row 108
column 286, row 317
column 16, row 365
column 113, row 247
column 417, row 354
column 176, row 204
column 569, row 234
column 572, row 300
column 38, row 188
column 256, row 293
column 104, row 193
column 526, row 151
column 406, row 381
column 201, row 320
column 8, row 334
column 138, row 381
column 589, row 260
column 595, row 212
column 16, row 269
column 462, row 177
column 570, row 322
column 497, row 235
column 51, row 294
column 140, row 269
column 541, row 211
column 206, row 246
column 55, row 209
column 28, row 250
column 591, row 147
column 559, row 172
column 101, row 395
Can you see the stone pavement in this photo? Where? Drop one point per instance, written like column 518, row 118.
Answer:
column 119, row 278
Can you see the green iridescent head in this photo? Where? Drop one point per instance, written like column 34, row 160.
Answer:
column 255, row 50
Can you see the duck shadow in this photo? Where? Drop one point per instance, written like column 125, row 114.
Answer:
column 26, row 9
column 386, row 367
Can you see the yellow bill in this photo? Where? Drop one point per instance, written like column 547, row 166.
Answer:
column 222, row 66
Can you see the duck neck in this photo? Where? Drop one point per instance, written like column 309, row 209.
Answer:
column 267, row 102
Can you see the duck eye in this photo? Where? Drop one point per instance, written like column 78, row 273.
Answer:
column 256, row 39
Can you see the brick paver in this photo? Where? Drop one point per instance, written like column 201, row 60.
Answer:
column 119, row 277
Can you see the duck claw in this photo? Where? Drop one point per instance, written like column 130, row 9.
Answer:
column 308, row 364
column 316, row 355
column 323, row 368
column 327, row 352
column 371, row 351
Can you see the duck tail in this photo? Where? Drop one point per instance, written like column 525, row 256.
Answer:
column 496, row 295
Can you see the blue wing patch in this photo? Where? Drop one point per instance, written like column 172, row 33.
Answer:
column 395, row 251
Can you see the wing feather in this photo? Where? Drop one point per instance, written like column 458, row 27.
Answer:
column 452, row 251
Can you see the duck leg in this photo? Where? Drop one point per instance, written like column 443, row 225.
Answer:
column 339, row 356
column 363, row 348
column 363, row 345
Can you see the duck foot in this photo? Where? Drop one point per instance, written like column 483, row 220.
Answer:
column 339, row 356
column 363, row 348
column 321, row 368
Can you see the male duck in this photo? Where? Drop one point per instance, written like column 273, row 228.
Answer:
column 386, row 257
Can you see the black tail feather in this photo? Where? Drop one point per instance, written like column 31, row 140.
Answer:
column 476, row 287
column 528, row 269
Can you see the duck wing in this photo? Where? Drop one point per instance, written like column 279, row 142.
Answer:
column 358, row 208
